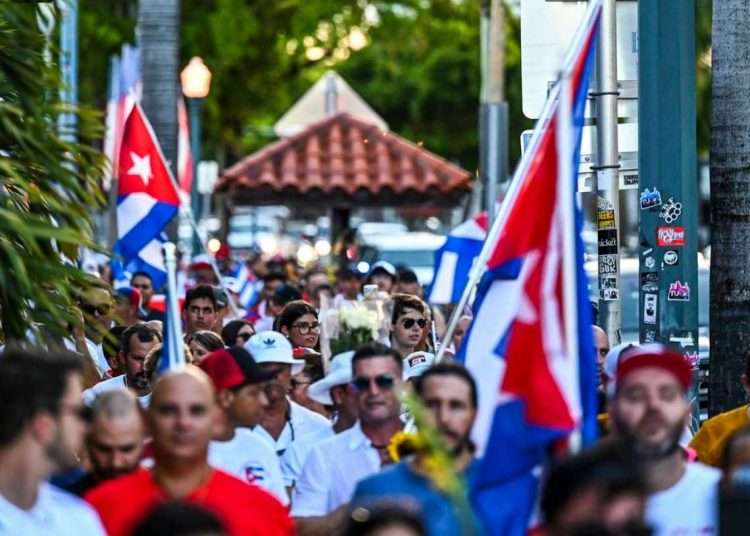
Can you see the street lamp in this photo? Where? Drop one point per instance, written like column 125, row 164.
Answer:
column 196, row 82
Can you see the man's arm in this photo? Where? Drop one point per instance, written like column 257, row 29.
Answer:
column 325, row 525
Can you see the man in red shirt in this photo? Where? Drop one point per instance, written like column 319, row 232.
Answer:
column 182, row 417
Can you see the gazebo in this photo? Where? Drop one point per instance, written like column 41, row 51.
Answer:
column 341, row 162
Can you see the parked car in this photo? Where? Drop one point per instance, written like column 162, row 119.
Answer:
column 413, row 249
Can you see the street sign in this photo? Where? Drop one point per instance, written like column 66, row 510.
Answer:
column 627, row 137
column 547, row 29
column 208, row 173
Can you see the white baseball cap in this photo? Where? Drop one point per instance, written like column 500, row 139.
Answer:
column 273, row 347
column 416, row 363
column 339, row 374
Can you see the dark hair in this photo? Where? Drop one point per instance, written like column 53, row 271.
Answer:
column 144, row 332
column 401, row 302
column 196, row 293
column 274, row 275
column 407, row 276
column 231, row 329
column 112, row 341
column 178, row 519
column 291, row 312
column 448, row 369
column 208, row 339
column 382, row 515
column 609, row 467
column 376, row 349
column 285, row 293
column 32, row 381
column 141, row 273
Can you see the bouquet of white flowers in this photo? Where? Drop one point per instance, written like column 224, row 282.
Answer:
column 357, row 325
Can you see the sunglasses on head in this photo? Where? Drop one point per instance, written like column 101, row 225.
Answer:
column 384, row 382
column 408, row 323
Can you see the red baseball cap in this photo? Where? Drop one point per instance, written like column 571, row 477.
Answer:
column 655, row 355
column 233, row 367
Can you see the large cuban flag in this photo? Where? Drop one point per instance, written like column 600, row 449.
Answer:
column 529, row 346
column 147, row 199
column 455, row 258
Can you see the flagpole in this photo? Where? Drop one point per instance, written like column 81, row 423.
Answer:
column 170, row 262
column 526, row 159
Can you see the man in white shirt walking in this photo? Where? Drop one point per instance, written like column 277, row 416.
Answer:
column 137, row 341
column 335, row 466
column 41, row 431
column 650, row 410
column 240, row 397
column 284, row 421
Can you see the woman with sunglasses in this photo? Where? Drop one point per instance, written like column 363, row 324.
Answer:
column 408, row 323
column 237, row 332
column 298, row 321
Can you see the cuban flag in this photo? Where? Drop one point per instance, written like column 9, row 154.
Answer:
column 529, row 346
column 455, row 258
column 147, row 199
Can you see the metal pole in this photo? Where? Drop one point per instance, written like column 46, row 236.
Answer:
column 493, row 110
column 67, row 121
column 607, row 176
column 194, row 107
column 173, row 318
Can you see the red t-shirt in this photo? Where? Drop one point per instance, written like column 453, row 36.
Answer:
column 244, row 509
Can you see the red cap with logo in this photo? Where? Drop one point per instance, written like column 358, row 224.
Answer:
column 233, row 367
column 658, row 356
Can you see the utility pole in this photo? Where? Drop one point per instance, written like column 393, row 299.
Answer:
column 607, row 175
column 668, row 183
column 493, row 115
column 67, row 122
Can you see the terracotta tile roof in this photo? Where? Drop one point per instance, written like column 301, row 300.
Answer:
column 342, row 160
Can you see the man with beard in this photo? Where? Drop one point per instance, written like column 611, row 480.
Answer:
column 449, row 393
column 137, row 341
column 182, row 419
column 41, row 431
column 114, row 442
column 649, row 411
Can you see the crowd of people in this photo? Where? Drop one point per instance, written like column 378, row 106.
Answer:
column 262, row 433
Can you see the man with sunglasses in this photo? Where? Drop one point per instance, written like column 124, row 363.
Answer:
column 449, row 393
column 41, row 432
column 240, row 397
column 408, row 323
column 137, row 342
column 335, row 466
column 284, row 421
column 96, row 306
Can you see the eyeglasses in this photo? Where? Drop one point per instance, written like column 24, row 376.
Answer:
column 305, row 328
column 384, row 382
column 408, row 323
column 95, row 310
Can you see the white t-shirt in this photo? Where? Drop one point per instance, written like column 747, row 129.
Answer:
column 251, row 458
column 118, row 382
column 301, row 422
column 688, row 508
column 294, row 457
column 56, row 513
column 96, row 351
column 331, row 472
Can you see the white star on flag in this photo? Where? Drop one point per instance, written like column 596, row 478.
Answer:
column 141, row 167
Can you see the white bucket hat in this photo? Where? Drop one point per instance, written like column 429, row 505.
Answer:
column 273, row 347
column 340, row 373
column 416, row 363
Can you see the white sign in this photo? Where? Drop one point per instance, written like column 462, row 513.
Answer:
column 547, row 29
column 208, row 174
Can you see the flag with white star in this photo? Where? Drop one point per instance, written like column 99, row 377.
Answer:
column 147, row 198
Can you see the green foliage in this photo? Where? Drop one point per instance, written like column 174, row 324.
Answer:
column 47, row 184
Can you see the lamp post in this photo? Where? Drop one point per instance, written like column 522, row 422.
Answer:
column 196, row 82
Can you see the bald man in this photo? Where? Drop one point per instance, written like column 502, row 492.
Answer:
column 182, row 417
column 114, row 441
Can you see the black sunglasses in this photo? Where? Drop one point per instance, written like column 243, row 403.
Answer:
column 384, row 382
column 95, row 310
column 408, row 323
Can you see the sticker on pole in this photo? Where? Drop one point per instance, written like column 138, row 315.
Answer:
column 670, row 211
column 671, row 257
column 649, row 308
column 650, row 199
column 608, row 290
column 670, row 236
column 606, row 219
column 607, row 264
column 678, row 292
column 607, row 242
